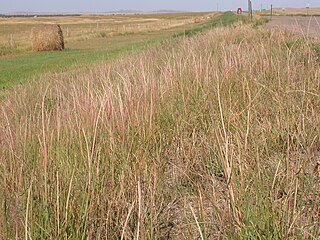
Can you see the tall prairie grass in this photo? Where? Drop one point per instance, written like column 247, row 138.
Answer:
column 215, row 136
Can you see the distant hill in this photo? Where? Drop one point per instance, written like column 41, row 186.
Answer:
column 120, row 12
column 36, row 15
column 167, row 11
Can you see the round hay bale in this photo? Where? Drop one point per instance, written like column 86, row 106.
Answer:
column 47, row 38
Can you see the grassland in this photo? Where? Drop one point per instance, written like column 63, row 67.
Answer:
column 307, row 27
column 83, row 27
column 94, row 47
column 212, row 136
column 295, row 11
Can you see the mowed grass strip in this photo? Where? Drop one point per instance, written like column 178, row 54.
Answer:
column 19, row 68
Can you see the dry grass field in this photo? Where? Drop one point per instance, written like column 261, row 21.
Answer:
column 307, row 27
column 211, row 135
column 85, row 43
column 296, row 11
column 85, row 27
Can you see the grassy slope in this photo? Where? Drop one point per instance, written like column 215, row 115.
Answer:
column 17, row 69
column 210, row 137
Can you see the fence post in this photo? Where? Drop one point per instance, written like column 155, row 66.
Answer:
column 97, row 27
column 271, row 11
column 250, row 10
column 11, row 40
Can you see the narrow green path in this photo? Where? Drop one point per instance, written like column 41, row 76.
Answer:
column 19, row 68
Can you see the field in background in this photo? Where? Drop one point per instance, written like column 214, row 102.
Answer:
column 78, row 28
column 294, row 11
column 307, row 27
column 19, row 67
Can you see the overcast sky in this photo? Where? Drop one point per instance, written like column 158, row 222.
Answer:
column 8, row 6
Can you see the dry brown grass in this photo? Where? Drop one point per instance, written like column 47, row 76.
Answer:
column 47, row 38
column 214, row 137
column 307, row 27
column 296, row 11
column 78, row 28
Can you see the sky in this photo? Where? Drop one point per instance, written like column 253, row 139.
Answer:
column 10, row 6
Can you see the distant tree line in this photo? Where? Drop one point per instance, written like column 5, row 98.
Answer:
column 38, row 15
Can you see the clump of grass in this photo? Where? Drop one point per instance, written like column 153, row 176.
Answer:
column 6, row 50
column 204, row 137
column 260, row 22
column 102, row 34
column 316, row 47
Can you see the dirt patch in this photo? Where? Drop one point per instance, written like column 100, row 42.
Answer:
column 305, row 26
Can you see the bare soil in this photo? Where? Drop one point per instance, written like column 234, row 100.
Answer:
column 306, row 26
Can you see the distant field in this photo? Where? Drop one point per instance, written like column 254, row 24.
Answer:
column 20, row 64
column 78, row 28
column 296, row 11
column 305, row 26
